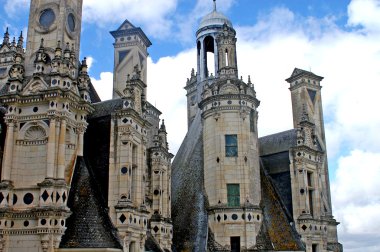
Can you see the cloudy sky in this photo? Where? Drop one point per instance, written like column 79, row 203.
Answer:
column 337, row 39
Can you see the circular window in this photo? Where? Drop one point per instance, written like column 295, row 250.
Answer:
column 124, row 170
column 71, row 22
column 26, row 223
column 43, row 222
column 156, row 192
column 234, row 217
column 28, row 198
column 47, row 18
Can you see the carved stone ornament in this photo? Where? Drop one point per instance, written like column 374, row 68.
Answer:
column 16, row 72
column 35, row 133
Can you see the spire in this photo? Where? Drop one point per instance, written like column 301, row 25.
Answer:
column 214, row 5
column 14, row 42
column 20, row 41
column 163, row 127
column 6, row 37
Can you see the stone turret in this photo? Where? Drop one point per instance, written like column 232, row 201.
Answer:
column 308, row 168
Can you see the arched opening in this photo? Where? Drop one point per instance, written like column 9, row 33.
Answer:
column 209, row 57
column 226, row 57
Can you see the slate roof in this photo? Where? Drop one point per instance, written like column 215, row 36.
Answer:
column 281, row 233
column 297, row 73
column 189, row 200
column 151, row 244
column 274, row 156
column 89, row 225
column 106, row 107
column 93, row 94
column 278, row 142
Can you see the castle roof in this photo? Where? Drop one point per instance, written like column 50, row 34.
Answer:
column 214, row 18
column 89, row 226
column 298, row 73
column 278, row 142
column 128, row 29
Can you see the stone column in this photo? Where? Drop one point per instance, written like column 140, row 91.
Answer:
column 51, row 149
column 80, row 142
column 165, row 194
column 9, row 143
column 62, row 150
column 161, row 194
column 216, row 58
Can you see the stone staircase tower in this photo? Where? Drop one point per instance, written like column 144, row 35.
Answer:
column 228, row 108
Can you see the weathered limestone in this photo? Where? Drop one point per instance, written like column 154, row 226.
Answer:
column 44, row 112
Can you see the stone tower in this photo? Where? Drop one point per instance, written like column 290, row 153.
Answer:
column 308, row 169
column 131, row 45
column 228, row 108
column 47, row 100
column 140, row 163
column 53, row 20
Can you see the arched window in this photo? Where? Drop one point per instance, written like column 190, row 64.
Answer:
column 209, row 57
column 226, row 57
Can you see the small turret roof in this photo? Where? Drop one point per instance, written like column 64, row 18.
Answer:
column 214, row 18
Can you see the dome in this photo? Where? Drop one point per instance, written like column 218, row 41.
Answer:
column 214, row 18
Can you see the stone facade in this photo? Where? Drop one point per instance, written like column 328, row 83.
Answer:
column 48, row 170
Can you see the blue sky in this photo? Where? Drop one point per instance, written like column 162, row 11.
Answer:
column 337, row 39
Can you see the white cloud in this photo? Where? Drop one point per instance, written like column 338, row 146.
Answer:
column 365, row 13
column 90, row 61
column 166, row 80
column 356, row 198
column 152, row 15
column 104, row 85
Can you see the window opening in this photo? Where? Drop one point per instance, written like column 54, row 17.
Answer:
column 226, row 57
column 233, row 195
column 231, row 146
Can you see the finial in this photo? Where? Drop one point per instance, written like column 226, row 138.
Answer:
column 214, row 5
column 249, row 79
column 6, row 37
column 84, row 61
column 163, row 127
column 20, row 40
column 59, row 44
column 42, row 43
